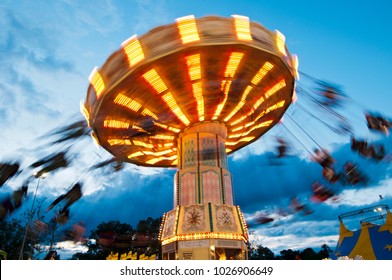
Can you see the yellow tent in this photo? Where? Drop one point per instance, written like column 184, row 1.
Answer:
column 372, row 241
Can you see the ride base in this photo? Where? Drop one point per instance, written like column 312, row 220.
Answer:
column 204, row 224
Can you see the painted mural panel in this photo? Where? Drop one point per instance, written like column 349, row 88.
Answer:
column 211, row 187
column 187, row 188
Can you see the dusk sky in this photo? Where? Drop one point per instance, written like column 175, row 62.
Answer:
column 49, row 48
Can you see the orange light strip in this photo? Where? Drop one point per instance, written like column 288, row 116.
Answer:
column 133, row 50
column 204, row 235
column 240, row 104
column 171, row 102
column 258, row 103
column 162, row 137
column 235, row 135
column 239, row 120
column 193, row 62
column 263, row 124
column 163, row 221
column 97, row 82
column 138, row 128
column 249, row 124
column 112, row 123
column 280, row 42
column 155, row 81
column 85, row 113
column 242, row 28
column 281, row 84
column 232, row 64
column 171, row 144
column 194, row 71
column 245, row 139
column 142, row 144
column 243, row 126
column 161, row 153
column 223, row 102
column 135, row 154
column 274, row 107
column 238, row 128
column 243, row 222
column 147, row 112
column 188, row 29
column 262, row 72
column 231, row 68
column 125, row 101
column 118, row 141
column 198, row 94
column 164, row 126
column 267, row 66
column 153, row 78
column 155, row 160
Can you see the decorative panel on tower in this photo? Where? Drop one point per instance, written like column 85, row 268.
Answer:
column 187, row 188
column 211, row 186
column 222, row 155
column 194, row 219
column 228, row 188
column 225, row 219
column 208, row 152
column 170, row 224
column 189, row 150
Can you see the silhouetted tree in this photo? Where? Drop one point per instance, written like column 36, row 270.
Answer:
column 325, row 252
column 11, row 238
column 261, row 253
column 309, row 254
column 288, row 254
column 101, row 239
column 114, row 236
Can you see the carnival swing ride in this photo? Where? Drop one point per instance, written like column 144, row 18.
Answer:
column 190, row 93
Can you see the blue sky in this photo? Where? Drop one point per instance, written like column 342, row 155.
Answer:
column 49, row 48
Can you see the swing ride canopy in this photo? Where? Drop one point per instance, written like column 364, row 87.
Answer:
column 212, row 69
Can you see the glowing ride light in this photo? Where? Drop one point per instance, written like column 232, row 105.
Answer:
column 85, row 113
column 97, row 82
column 188, row 29
column 125, row 101
column 155, row 81
column 242, row 28
column 133, row 50
column 255, row 81
column 153, row 78
column 204, row 235
column 194, row 72
column 280, row 42
column 112, row 123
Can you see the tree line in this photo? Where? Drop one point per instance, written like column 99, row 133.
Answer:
column 117, row 237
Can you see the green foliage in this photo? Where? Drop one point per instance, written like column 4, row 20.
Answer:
column 11, row 238
column 111, row 226
column 12, row 233
column 325, row 252
column 263, row 253
column 114, row 236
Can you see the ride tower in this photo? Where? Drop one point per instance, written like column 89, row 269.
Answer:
column 186, row 95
